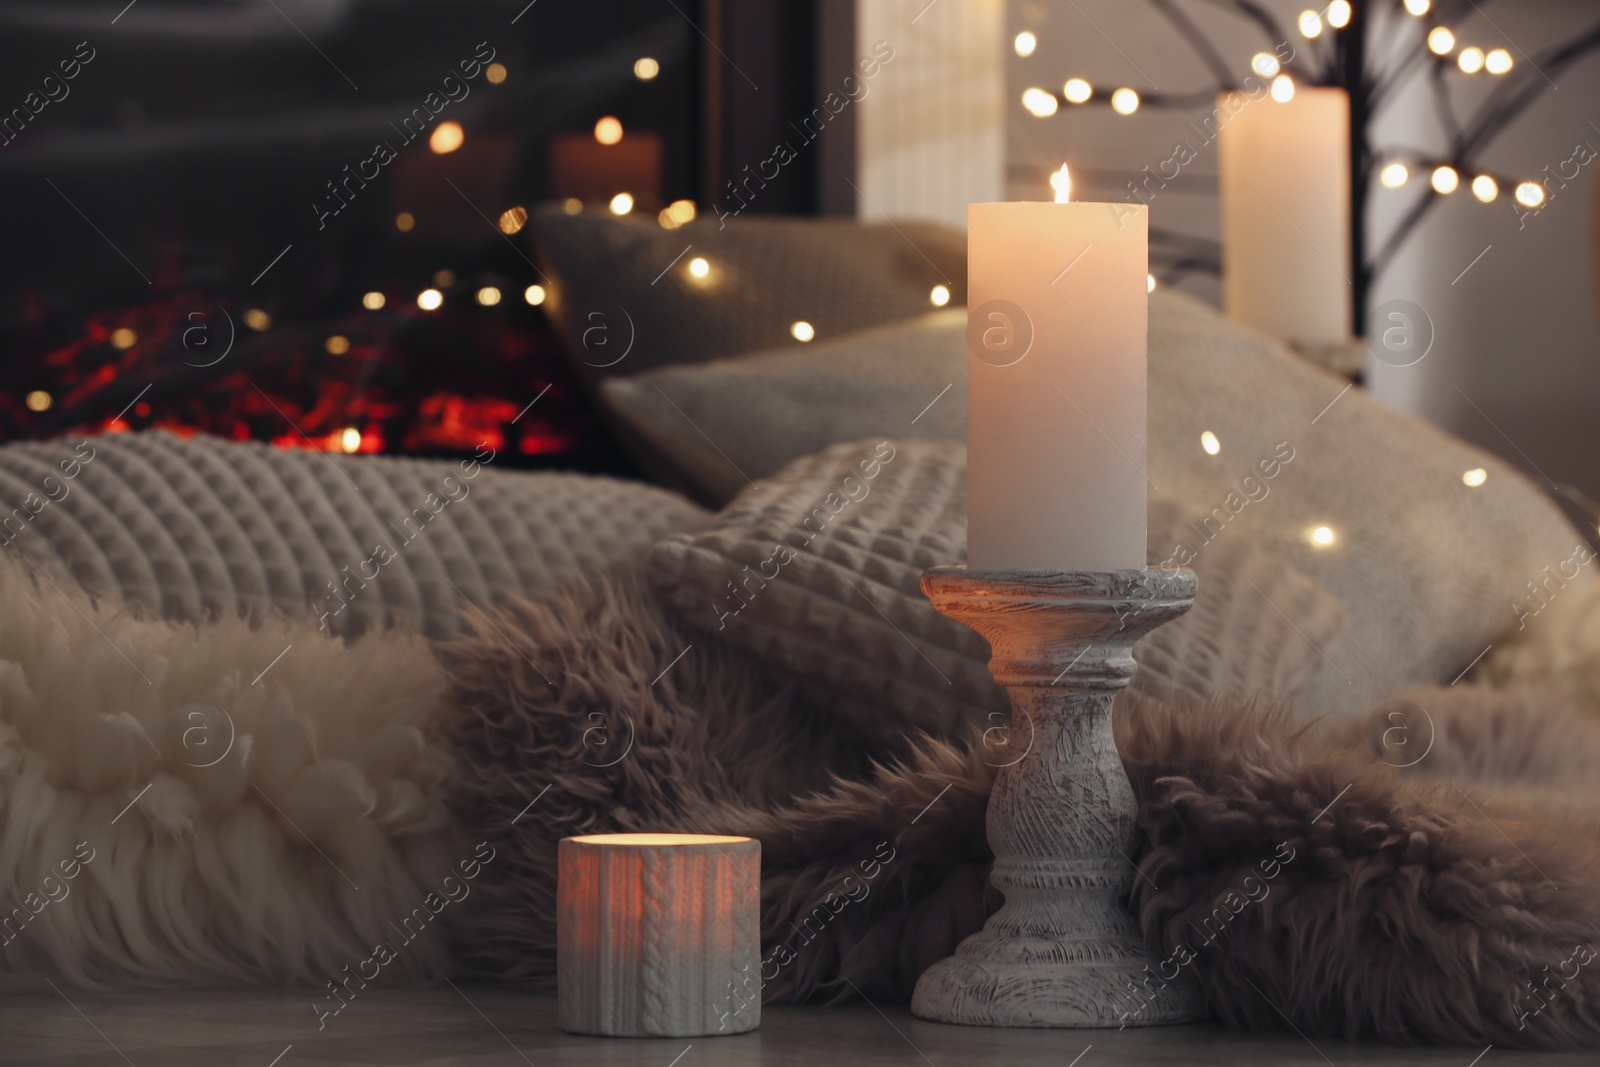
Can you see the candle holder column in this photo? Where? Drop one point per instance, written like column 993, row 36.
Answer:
column 1064, row 950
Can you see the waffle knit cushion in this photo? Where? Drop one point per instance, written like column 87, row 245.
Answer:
column 816, row 571
column 197, row 528
column 834, row 598
column 624, row 285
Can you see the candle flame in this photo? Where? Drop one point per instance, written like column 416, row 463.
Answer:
column 1061, row 182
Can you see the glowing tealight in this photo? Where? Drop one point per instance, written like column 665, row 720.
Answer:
column 608, row 130
column 1339, row 13
column 1394, row 175
column 1474, row 477
column 1418, row 7
column 39, row 400
column 698, row 267
column 1530, row 194
column 1039, row 103
column 645, row 68
column 1209, row 442
column 1025, row 43
column 622, row 203
column 1441, row 42
column 488, row 296
column 1265, row 64
column 1310, row 24
column 1283, row 88
column 1322, row 536
column 1124, row 101
column 495, row 73
column 405, row 221
column 1077, row 91
column 1485, row 188
column 350, row 439
column 1445, row 180
column 337, row 345
column 1149, row 283
column 372, row 301
column 1498, row 61
column 513, row 219
column 534, row 294
column 802, row 331
column 572, row 206
column 257, row 319
column 122, row 337
column 446, row 138
column 430, row 299
column 1470, row 60
column 940, row 296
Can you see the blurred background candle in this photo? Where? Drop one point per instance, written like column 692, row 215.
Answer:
column 658, row 935
column 1285, row 168
column 1056, row 336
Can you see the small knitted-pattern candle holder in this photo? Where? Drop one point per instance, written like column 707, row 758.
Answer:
column 658, row 935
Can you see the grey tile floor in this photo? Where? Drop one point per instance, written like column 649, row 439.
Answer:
column 479, row 1026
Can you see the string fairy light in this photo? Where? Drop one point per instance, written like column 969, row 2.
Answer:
column 1039, row 103
column 1336, row 20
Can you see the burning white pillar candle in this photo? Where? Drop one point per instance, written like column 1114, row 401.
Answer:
column 1285, row 166
column 658, row 935
column 1056, row 373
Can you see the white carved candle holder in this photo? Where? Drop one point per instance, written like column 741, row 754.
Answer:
column 654, row 930
column 1064, row 950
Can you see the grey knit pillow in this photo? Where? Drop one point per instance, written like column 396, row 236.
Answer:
column 817, row 571
column 760, row 412
column 626, row 299
column 199, row 527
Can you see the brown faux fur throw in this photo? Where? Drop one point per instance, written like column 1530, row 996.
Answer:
column 1434, row 869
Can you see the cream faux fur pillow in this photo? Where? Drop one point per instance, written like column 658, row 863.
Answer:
column 223, row 804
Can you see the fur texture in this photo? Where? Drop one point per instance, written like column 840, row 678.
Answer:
column 1442, row 893
column 1447, row 902
column 149, row 838
column 1446, row 910
column 591, row 713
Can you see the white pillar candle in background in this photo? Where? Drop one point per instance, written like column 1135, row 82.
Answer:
column 1056, row 334
column 1285, row 168
column 658, row 935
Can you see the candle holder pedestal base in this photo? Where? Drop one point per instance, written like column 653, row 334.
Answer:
column 1064, row 950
